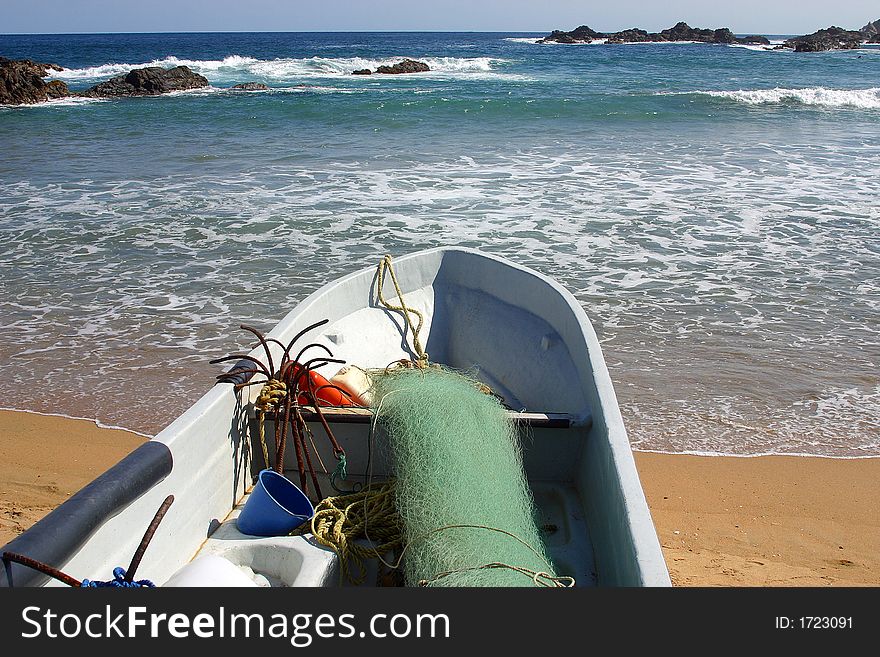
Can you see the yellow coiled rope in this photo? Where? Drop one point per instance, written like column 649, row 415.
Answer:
column 370, row 514
column 270, row 398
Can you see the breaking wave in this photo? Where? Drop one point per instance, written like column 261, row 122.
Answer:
column 820, row 96
column 761, row 47
column 236, row 66
column 56, row 102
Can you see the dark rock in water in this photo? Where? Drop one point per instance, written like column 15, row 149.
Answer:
column 21, row 82
column 57, row 89
column 633, row 35
column 149, row 81
column 874, row 39
column 582, row 34
column 683, row 32
column 250, row 86
column 754, row 39
column 679, row 32
column 723, row 35
column 871, row 30
column 406, row 66
column 832, row 38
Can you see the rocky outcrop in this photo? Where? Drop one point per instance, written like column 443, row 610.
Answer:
column 754, row 39
column 832, row 38
column 404, row 66
column 582, row 34
column 684, row 32
column 871, row 30
column 679, row 32
column 57, row 89
column 633, row 35
column 21, row 82
column 149, row 81
column 250, row 86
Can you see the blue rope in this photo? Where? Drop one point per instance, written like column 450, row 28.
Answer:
column 118, row 581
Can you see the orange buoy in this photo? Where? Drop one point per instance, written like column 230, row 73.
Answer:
column 325, row 392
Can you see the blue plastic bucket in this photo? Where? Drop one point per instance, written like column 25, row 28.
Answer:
column 275, row 507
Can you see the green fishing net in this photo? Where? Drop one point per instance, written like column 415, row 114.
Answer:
column 457, row 461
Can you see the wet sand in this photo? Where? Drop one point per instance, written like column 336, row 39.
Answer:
column 722, row 521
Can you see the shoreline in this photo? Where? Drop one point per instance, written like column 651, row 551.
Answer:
column 721, row 520
column 98, row 424
column 760, row 455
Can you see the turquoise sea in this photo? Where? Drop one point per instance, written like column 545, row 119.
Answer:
column 714, row 208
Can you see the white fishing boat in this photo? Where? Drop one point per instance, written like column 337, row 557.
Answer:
column 519, row 332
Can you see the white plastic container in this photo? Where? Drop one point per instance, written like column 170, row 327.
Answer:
column 210, row 570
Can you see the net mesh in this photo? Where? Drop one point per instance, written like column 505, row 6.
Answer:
column 457, row 461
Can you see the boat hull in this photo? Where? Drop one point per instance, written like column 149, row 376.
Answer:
column 517, row 330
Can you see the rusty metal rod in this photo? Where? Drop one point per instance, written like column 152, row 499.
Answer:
column 313, row 345
column 337, row 450
column 243, row 357
column 46, row 569
column 300, row 457
column 148, row 536
column 262, row 342
column 300, row 334
column 302, row 437
column 238, row 370
column 239, row 386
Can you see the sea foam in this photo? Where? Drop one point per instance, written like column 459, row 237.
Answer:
column 111, row 69
column 820, row 96
column 282, row 69
column 745, row 291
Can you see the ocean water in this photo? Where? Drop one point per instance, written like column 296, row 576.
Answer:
column 715, row 209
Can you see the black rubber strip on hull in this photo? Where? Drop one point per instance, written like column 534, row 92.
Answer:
column 58, row 536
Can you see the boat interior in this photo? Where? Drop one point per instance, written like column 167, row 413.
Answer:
column 517, row 354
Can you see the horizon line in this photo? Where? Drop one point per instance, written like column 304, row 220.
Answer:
column 386, row 31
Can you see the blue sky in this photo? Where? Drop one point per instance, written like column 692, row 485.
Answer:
column 767, row 16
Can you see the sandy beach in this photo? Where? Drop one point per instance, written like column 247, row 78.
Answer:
column 765, row 521
column 46, row 459
column 722, row 521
